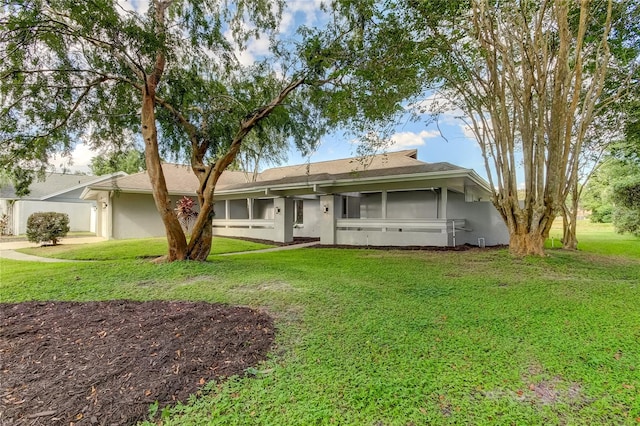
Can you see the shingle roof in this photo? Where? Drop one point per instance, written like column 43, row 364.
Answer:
column 54, row 183
column 347, row 165
column 181, row 180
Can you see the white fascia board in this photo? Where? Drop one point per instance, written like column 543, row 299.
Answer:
column 317, row 185
column 86, row 184
column 91, row 191
column 479, row 180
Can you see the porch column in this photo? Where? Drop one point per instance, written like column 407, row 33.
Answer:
column 329, row 211
column 283, row 220
column 442, row 206
column 384, row 207
column 227, row 210
column 250, row 209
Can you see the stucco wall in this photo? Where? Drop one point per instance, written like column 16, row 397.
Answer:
column 481, row 217
column 136, row 216
column 79, row 213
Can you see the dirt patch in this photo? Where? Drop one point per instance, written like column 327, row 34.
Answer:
column 104, row 363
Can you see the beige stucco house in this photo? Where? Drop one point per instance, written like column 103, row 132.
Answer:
column 58, row 192
column 391, row 199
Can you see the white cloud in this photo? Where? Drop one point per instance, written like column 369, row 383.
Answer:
column 79, row 160
column 309, row 8
column 404, row 140
column 139, row 6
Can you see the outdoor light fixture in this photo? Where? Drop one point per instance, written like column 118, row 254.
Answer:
column 277, row 210
column 325, row 208
column 104, row 205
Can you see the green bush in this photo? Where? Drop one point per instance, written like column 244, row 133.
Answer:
column 47, row 226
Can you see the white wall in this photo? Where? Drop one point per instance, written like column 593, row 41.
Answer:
column 481, row 217
column 79, row 213
column 136, row 216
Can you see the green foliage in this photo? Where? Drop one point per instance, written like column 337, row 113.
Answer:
column 47, row 226
column 129, row 161
column 83, row 75
column 398, row 337
column 626, row 196
column 613, row 193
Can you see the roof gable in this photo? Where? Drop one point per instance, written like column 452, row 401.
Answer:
column 55, row 184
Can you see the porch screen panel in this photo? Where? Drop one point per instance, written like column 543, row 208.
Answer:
column 420, row 204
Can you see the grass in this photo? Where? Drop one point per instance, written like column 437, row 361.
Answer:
column 399, row 337
column 133, row 249
column 599, row 238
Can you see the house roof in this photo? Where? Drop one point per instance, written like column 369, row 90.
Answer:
column 55, row 184
column 181, row 180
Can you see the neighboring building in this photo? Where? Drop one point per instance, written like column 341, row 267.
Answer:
column 392, row 200
column 57, row 193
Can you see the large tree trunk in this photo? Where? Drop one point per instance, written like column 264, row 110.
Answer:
column 201, row 236
column 526, row 243
column 528, row 225
column 175, row 235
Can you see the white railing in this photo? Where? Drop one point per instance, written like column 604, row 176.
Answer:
column 243, row 223
column 263, row 229
column 398, row 232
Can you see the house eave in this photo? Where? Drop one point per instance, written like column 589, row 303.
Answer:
column 83, row 185
column 334, row 185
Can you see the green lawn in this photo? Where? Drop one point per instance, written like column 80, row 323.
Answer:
column 370, row 337
column 133, row 249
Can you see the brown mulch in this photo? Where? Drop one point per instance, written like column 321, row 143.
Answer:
column 104, row 363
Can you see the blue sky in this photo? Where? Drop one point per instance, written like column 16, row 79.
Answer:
column 454, row 145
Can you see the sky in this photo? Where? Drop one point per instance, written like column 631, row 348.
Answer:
column 449, row 141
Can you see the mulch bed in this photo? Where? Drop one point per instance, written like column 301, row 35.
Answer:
column 104, row 363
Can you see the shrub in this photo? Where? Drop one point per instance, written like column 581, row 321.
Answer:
column 47, row 226
column 4, row 225
column 186, row 213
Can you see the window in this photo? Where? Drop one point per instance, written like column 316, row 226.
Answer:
column 299, row 209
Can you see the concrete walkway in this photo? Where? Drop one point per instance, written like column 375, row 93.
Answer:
column 7, row 249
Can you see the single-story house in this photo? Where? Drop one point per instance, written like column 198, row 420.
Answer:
column 58, row 192
column 391, row 199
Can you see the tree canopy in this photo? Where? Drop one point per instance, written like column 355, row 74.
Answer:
column 128, row 161
column 95, row 70
column 529, row 78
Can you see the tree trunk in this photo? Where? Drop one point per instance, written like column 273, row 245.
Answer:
column 526, row 243
column 175, row 235
column 569, row 218
column 200, row 243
